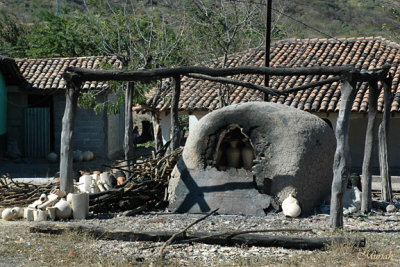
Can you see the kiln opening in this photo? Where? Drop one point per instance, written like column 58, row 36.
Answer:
column 234, row 149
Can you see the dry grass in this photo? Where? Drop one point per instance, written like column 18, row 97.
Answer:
column 18, row 247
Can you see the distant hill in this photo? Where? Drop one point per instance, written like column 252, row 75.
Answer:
column 323, row 18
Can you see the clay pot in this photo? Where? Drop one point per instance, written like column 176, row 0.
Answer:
column 233, row 154
column 77, row 156
column 87, row 156
column 247, row 157
column 39, row 215
column 63, row 210
column 100, row 186
column 51, row 200
column 105, row 177
column 7, row 214
column 51, row 212
column 52, row 157
column 80, row 206
column 120, row 180
column 291, row 207
column 84, row 183
column 18, row 212
column 28, row 214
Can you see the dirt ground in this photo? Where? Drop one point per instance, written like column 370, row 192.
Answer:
column 19, row 247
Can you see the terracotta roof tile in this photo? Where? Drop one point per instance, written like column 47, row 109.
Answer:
column 46, row 74
column 363, row 52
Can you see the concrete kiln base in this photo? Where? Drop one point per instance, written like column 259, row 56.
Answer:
column 232, row 191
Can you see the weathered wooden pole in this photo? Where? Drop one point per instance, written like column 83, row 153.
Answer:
column 176, row 92
column 129, row 149
column 341, row 163
column 370, row 140
column 67, row 133
column 382, row 137
column 158, row 142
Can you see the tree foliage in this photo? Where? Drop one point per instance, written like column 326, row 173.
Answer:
column 13, row 36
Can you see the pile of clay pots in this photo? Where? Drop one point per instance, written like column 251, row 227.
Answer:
column 51, row 207
column 82, row 156
column 99, row 181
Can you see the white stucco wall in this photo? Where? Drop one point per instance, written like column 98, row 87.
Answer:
column 165, row 124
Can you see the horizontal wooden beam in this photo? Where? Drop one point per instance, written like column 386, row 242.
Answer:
column 238, row 83
column 80, row 74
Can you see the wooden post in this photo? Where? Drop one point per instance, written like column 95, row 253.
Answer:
column 370, row 139
column 66, row 150
column 176, row 91
column 382, row 136
column 158, row 143
column 341, row 163
column 128, row 137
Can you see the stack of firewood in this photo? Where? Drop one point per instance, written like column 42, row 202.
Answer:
column 19, row 193
column 145, row 188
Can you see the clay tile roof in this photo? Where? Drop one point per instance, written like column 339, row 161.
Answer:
column 46, row 74
column 363, row 52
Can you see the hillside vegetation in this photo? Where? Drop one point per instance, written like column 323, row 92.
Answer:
column 335, row 18
column 49, row 28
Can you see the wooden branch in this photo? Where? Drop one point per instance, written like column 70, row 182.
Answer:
column 386, row 180
column 263, row 89
column 291, row 242
column 81, row 74
column 174, row 236
column 313, row 84
column 370, row 140
column 66, row 150
column 341, row 163
column 175, row 129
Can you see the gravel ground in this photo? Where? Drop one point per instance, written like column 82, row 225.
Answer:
column 377, row 223
column 380, row 228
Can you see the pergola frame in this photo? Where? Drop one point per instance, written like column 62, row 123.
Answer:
column 348, row 75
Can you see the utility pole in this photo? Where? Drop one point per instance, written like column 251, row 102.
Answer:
column 267, row 44
column 58, row 7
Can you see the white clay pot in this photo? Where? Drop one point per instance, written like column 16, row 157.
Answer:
column 80, row 206
column 84, row 183
column 18, row 212
column 28, row 214
column 63, row 210
column 233, row 154
column 39, row 215
column 7, row 214
column 52, row 157
column 100, row 186
column 106, row 179
column 51, row 200
column 51, row 211
column 291, row 207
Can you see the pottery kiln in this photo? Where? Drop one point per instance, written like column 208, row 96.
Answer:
column 243, row 158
